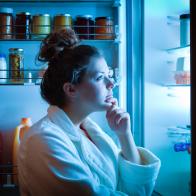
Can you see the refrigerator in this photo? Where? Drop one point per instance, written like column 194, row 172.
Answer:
column 145, row 50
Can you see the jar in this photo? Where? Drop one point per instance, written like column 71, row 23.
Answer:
column 41, row 26
column 184, row 30
column 3, row 69
column 6, row 23
column 22, row 25
column 16, row 64
column 104, row 28
column 62, row 21
column 84, row 26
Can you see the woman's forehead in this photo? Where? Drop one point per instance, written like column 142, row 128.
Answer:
column 97, row 65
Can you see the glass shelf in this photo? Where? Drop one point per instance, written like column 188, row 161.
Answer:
column 180, row 51
column 177, row 85
column 61, row 1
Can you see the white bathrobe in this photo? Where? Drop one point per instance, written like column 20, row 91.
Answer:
column 55, row 159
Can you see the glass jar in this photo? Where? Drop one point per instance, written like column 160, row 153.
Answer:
column 62, row 21
column 84, row 26
column 22, row 25
column 41, row 26
column 104, row 28
column 184, row 30
column 16, row 64
column 6, row 23
column 3, row 69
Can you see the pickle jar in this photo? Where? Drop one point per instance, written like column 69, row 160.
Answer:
column 22, row 25
column 62, row 21
column 6, row 23
column 16, row 64
column 84, row 26
column 41, row 26
column 104, row 28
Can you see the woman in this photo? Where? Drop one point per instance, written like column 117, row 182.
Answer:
column 66, row 153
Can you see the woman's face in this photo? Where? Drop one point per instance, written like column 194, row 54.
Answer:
column 96, row 86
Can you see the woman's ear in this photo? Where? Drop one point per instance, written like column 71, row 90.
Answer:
column 70, row 90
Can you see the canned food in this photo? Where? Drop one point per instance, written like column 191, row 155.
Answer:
column 6, row 23
column 84, row 26
column 104, row 28
column 62, row 21
column 16, row 64
column 22, row 25
column 41, row 26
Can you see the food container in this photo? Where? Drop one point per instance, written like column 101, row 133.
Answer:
column 62, row 21
column 104, row 28
column 6, row 23
column 84, row 26
column 41, row 26
column 182, row 73
column 22, row 25
column 184, row 30
column 16, row 64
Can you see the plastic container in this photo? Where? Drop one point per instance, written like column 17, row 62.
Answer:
column 6, row 23
column 3, row 69
column 184, row 30
column 19, row 133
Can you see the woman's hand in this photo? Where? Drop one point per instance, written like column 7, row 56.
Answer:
column 118, row 119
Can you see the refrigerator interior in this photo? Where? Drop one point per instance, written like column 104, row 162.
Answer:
column 165, row 105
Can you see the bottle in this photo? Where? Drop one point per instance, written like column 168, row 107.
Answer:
column 3, row 69
column 184, row 30
column 19, row 133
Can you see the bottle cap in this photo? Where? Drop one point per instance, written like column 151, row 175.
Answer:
column 26, row 121
column 2, row 56
column 184, row 16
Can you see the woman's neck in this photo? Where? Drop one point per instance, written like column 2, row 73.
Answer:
column 75, row 114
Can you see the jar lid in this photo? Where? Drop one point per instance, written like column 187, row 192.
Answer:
column 104, row 17
column 183, row 16
column 84, row 16
column 62, row 15
column 16, row 49
column 23, row 13
column 42, row 15
column 2, row 55
column 6, row 10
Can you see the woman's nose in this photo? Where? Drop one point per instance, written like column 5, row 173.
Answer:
column 110, row 83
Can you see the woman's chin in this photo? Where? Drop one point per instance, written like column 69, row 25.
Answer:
column 106, row 106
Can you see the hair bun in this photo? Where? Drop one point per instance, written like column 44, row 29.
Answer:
column 55, row 42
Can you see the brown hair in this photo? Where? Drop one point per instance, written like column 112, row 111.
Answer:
column 67, row 62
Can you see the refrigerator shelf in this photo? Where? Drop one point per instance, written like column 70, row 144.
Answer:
column 180, row 51
column 176, row 85
column 61, row 1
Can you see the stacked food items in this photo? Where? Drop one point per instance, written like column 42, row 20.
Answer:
column 182, row 73
column 27, row 26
